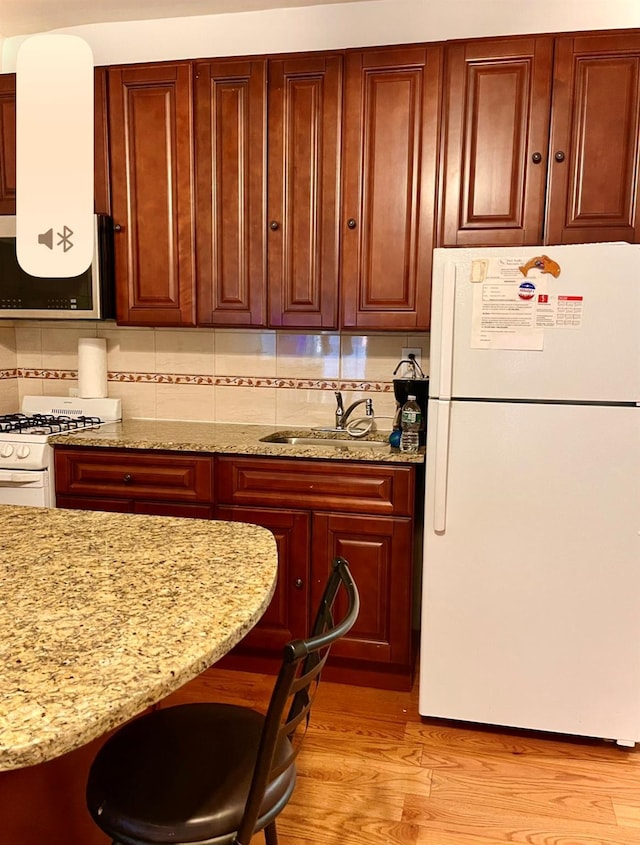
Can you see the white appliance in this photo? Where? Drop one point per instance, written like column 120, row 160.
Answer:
column 531, row 581
column 26, row 458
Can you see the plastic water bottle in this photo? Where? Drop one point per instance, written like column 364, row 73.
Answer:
column 411, row 423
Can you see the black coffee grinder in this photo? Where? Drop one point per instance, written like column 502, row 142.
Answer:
column 415, row 383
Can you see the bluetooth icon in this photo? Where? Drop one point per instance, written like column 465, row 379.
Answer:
column 65, row 238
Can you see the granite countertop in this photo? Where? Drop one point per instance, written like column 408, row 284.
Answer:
column 226, row 438
column 103, row 614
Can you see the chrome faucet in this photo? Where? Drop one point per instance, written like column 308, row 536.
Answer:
column 342, row 416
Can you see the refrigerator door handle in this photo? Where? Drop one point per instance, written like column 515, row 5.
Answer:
column 441, row 468
column 446, row 330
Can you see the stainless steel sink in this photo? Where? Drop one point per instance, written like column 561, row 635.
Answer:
column 325, row 442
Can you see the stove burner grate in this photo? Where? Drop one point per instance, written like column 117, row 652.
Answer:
column 44, row 423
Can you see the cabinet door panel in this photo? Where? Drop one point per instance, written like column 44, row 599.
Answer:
column 304, row 190
column 230, row 192
column 380, row 556
column 497, row 99
column 8, row 143
column 287, row 615
column 389, row 159
column 593, row 189
column 151, row 169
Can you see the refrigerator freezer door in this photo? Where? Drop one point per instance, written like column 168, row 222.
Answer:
column 598, row 360
column 531, row 592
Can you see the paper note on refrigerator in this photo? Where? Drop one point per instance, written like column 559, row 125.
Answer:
column 559, row 312
column 504, row 308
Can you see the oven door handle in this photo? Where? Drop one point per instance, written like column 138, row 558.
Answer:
column 7, row 476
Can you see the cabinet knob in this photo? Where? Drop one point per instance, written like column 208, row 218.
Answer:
column 536, row 158
column 351, row 223
column 128, row 478
column 117, row 227
column 274, row 225
column 298, row 584
column 559, row 156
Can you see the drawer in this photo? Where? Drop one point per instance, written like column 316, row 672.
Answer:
column 125, row 473
column 316, row 485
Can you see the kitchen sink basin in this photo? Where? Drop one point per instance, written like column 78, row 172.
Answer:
column 325, row 442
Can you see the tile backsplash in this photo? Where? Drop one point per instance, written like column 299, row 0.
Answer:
column 216, row 375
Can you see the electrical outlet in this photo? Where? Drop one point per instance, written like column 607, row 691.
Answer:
column 416, row 350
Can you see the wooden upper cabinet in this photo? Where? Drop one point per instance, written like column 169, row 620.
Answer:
column 101, row 178
column 495, row 141
column 304, row 108
column 8, row 143
column 390, row 138
column 230, row 115
column 594, row 181
column 151, row 193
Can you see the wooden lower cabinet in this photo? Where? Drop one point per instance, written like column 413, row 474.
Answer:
column 287, row 616
column 316, row 509
column 379, row 552
column 378, row 651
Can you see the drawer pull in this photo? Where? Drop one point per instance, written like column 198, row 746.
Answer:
column 298, row 584
column 128, row 478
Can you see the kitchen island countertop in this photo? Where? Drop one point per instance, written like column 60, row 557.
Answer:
column 102, row 615
column 228, row 438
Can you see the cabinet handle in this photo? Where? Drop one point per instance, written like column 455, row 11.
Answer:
column 298, row 584
column 128, row 478
column 274, row 225
column 351, row 223
column 117, row 227
column 536, row 158
column 559, row 156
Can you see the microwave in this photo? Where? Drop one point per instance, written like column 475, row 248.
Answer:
column 91, row 295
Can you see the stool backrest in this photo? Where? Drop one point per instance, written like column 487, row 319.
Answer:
column 296, row 687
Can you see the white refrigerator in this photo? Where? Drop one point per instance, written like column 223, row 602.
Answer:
column 531, row 576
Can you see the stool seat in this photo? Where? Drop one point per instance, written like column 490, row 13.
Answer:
column 183, row 774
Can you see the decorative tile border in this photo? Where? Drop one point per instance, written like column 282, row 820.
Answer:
column 216, row 381
column 53, row 375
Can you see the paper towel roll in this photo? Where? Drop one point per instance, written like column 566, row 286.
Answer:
column 92, row 367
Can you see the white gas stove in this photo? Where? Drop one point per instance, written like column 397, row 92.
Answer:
column 26, row 458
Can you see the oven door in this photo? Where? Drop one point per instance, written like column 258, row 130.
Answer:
column 26, row 487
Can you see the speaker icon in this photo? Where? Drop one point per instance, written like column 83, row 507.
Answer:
column 46, row 238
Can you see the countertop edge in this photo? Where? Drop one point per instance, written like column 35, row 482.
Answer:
column 225, row 439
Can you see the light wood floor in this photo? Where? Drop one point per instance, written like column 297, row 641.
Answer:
column 372, row 772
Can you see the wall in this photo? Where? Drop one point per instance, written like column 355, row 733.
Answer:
column 8, row 364
column 223, row 375
column 342, row 25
